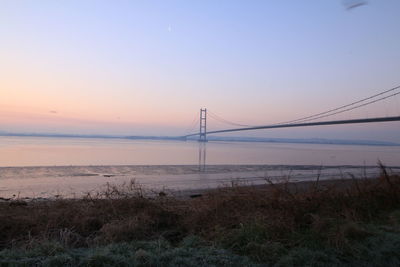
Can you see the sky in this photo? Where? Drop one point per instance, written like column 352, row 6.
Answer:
column 147, row 67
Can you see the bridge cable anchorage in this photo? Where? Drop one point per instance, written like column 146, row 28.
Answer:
column 341, row 107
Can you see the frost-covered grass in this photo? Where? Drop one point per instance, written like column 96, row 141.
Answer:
column 379, row 248
column 365, row 245
column 146, row 253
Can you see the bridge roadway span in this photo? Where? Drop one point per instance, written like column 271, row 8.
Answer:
column 355, row 121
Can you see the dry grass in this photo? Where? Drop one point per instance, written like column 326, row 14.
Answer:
column 329, row 211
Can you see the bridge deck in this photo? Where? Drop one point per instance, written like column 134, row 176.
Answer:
column 355, row 121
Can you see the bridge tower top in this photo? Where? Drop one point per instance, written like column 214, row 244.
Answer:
column 203, row 125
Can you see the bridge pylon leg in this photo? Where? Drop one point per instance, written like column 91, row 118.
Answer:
column 203, row 125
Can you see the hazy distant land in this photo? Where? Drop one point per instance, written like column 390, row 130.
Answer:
column 216, row 138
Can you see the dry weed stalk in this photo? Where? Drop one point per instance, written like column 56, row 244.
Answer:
column 127, row 212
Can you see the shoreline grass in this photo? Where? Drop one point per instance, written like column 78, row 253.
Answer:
column 344, row 222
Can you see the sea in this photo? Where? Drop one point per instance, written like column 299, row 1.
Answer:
column 35, row 167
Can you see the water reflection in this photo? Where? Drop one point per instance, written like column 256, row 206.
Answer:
column 202, row 156
column 42, row 151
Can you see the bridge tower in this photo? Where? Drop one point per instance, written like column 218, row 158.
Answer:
column 203, row 125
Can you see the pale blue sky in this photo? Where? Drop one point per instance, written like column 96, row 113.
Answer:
column 146, row 67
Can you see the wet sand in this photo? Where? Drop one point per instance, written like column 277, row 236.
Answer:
column 76, row 181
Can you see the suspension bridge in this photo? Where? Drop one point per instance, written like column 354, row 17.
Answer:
column 311, row 120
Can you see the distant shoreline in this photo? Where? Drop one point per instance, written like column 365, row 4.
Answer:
column 319, row 141
column 211, row 167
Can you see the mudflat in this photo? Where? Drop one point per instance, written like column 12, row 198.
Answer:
column 76, row 181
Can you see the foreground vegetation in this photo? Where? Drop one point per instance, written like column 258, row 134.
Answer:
column 345, row 222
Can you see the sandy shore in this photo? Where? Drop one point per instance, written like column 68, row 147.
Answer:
column 75, row 181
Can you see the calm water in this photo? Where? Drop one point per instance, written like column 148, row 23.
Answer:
column 41, row 151
column 44, row 167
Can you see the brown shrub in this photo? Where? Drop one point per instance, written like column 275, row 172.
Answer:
column 123, row 215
